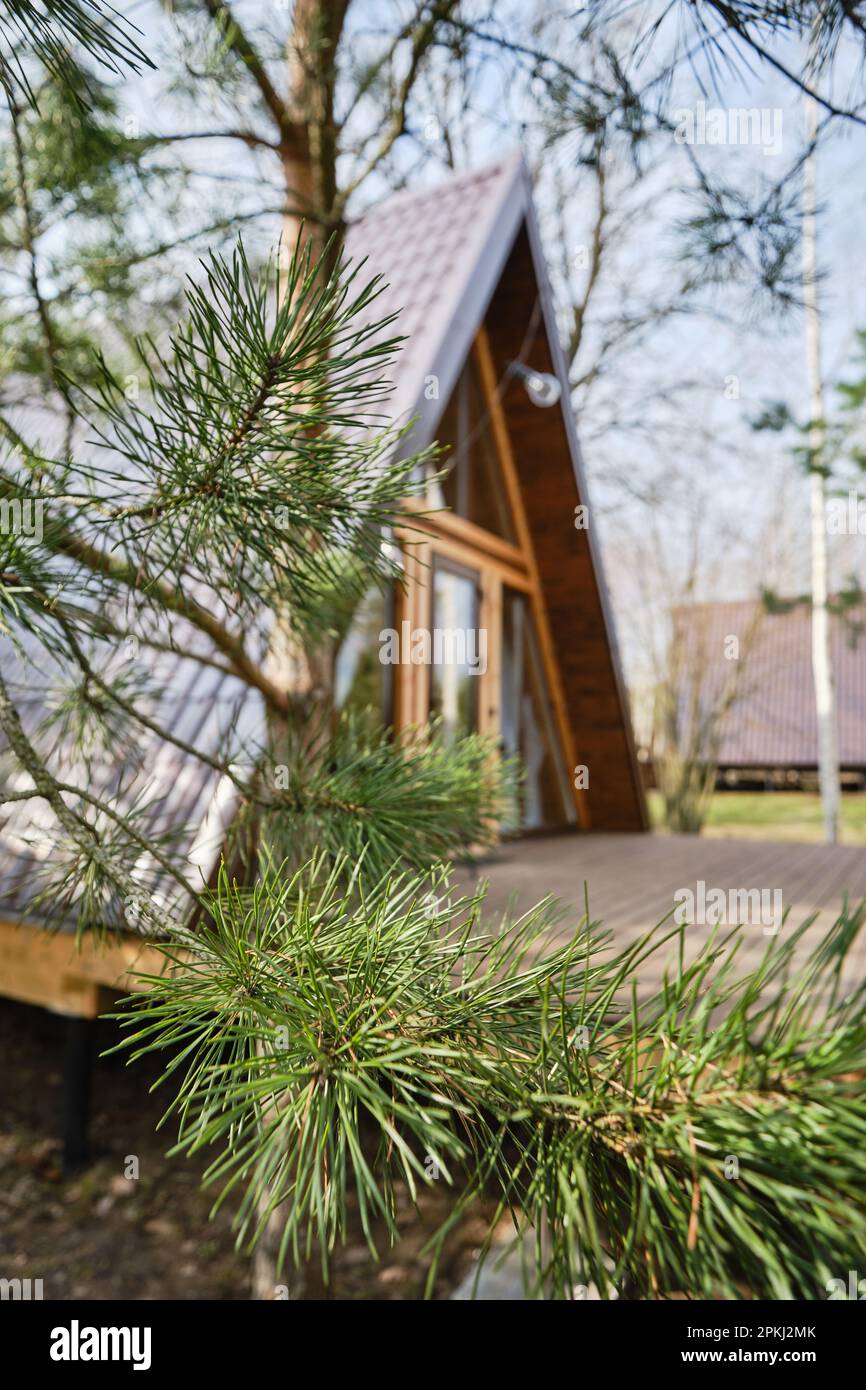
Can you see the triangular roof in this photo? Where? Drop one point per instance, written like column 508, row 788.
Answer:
column 440, row 252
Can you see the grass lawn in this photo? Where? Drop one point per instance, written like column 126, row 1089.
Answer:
column 775, row 816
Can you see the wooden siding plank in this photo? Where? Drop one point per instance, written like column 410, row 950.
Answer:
column 502, row 441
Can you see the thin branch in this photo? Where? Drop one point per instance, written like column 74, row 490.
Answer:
column 236, row 38
column 734, row 24
column 63, row 541
column 248, row 137
column 83, row 835
column 52, row 348
column 423, row 39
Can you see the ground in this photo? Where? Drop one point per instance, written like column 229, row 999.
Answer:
column 775, row 816
column 98, row 1234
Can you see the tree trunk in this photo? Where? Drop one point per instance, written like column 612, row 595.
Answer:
column 308, row 155
column 822, row 669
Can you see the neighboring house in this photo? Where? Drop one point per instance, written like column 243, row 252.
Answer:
column 769, row 735
column 512, row 566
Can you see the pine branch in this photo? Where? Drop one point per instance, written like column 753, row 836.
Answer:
column 81, row 833
column 314, row 1008
column 130, row 705
column 381, row 801
column 61, row 540
column 257, row 459
column 51, row 31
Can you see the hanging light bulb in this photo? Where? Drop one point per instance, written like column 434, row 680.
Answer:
column 542, row 388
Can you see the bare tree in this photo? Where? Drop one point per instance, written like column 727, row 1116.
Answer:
column 689, row 669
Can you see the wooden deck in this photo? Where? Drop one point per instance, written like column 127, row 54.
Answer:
column 632, row 880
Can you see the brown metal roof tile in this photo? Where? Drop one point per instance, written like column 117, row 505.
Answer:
column 772, row 721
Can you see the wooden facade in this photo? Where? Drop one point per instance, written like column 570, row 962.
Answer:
column 571, row 588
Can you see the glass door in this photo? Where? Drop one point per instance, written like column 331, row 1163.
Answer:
column 458, row 647
column 527, row 725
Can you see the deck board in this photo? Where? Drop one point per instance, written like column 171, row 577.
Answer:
column 632, row 880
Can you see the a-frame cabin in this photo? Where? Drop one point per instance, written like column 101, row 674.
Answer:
column 514, row 559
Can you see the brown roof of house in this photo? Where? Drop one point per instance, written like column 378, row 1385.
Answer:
column 440, row 251
column 772, row 720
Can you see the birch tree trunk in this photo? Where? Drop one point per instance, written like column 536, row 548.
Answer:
column 822, row 669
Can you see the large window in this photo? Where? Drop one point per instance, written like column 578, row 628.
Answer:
column 455, row 668
column 526, row 721
column 473, row 594
column 473, row 486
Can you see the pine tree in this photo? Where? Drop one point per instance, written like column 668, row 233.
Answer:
column 337, row 1018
